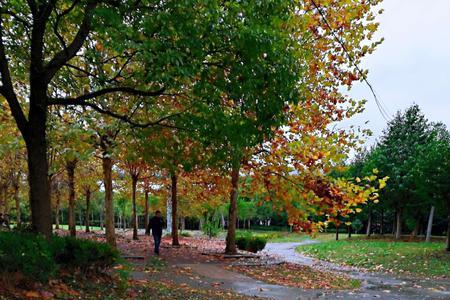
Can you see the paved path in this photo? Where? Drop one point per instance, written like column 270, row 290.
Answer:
column 374, row 285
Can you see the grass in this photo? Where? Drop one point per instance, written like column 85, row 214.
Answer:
column 412, row 258
column 78, row 227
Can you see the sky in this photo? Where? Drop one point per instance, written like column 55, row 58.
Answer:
column 411, row 66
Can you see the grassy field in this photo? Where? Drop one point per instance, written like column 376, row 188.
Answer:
column 80, row 228
column 414, row 258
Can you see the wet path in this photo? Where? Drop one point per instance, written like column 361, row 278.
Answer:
column 374, row 285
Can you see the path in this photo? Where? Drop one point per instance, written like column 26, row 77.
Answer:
column 374, row 285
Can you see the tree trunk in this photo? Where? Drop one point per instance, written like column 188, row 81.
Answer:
column 88, row 206
column 337, row 233
column 349, row 231
column 369, row 224
column 222, row 218
column 101, row 219
column 398, row 226
column 382, row 222
column 70, row 168
column 231, row 234
column 448, row 232
column 35, row 139
column 430, row 225
column 169, row 214
column 417, row 226
column 200, row 224
column 134, row 180
column 57, row 208
column 147, row 229
column 109, row 205
column 183, row 223
column 17, row 202
column 175, row 241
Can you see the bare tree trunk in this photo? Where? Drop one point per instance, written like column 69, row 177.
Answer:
column 147, row 229
column 430, row 225
column 17, row 202
column 174, row 180
column 40, row 204
column 417, row 226
column 398, row 227
column 349, row 231
column 88, row 206
column 382, row 222
column 109, row 206
column 447, row 247
column 369, row 223
column 183, row 223
column 57, row 208
column 134, row 181
column 337, row 233
column 231, row 234
column 222, row 218
column 70, row 167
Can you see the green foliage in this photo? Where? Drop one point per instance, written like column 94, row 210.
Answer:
column 38, row 258
column 211, row 228
column 26, row 253
column 82, row 254
column 251, row 242
column 185, row 234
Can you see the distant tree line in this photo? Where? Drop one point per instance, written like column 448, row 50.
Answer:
column 415, row 154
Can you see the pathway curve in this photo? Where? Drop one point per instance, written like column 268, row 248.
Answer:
column 374, row 285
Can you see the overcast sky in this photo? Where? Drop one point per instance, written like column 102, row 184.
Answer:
column 412, row 65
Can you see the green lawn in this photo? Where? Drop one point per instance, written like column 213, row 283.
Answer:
column 66, row 227
column 414, row 258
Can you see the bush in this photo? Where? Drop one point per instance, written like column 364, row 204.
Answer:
column 82, row 254
column 211, row 229
column 35, row 257
column 185, row 234
column 28, row 254
column 251, row 242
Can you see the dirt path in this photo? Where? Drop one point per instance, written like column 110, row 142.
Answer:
column 374, row 285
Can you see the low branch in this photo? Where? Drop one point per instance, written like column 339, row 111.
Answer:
column 126, row 118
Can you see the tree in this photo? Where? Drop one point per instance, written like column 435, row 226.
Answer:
column 399, row 155
column 49, row 52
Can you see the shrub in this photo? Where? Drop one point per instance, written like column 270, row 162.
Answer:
column 35, row 257
column 251, row 242
column 211, row 229
column 82, row 254
column 185, row 234
column 26, row 253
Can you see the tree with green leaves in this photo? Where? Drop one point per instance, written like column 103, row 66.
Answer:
column 50, row 50
column 399, row 152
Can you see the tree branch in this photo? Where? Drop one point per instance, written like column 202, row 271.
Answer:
column 71, row 50
column 81, row 100
column 7, row 89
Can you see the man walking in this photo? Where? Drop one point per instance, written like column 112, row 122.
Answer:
column 156, row 225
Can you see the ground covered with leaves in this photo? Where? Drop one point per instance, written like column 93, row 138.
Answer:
column 410, row 258
column 298, row 276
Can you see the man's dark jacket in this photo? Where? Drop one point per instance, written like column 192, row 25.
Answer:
column 156, row 225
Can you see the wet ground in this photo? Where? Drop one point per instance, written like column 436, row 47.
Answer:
column 205, row 272
column 374, row 285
